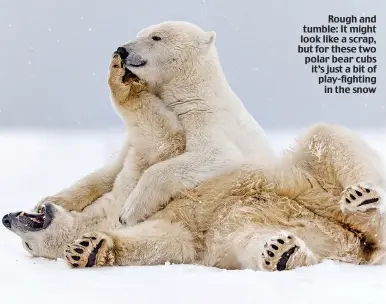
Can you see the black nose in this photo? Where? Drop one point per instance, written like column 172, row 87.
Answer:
column 122, row 52
column 6, row 221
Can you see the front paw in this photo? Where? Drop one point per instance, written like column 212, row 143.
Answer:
column 56, row 200
column 94, row 249
column 119, row 75
column 117, row 70
column 127, row 217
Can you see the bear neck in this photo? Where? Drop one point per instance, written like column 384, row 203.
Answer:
column 201, row 90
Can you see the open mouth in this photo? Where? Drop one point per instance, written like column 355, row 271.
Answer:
column 36, row 221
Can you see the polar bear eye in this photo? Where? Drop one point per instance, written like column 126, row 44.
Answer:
column 156, row 38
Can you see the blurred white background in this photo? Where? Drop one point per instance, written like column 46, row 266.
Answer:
column 54, row 58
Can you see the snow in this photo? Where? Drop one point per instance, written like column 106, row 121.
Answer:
column 36, row 164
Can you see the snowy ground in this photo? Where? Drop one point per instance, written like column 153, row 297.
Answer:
column 55, row 160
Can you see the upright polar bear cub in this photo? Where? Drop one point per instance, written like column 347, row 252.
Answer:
column 179, row 63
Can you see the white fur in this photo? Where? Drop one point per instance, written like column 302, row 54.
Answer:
column 183, row 68
column 228, row 221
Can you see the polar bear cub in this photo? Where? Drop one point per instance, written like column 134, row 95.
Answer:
column 325, row 201
column 179, row 62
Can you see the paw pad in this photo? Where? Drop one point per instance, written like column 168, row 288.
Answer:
column 360, row 198
column 278, row 251
column 89, row 251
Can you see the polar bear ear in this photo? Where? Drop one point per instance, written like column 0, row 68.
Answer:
column 209, row 38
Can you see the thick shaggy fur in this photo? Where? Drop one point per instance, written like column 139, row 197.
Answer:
column 182, row 67
column 325, row 200
column 154, row 134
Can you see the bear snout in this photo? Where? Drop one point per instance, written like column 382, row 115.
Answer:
column 6, row 221
column 122, row 52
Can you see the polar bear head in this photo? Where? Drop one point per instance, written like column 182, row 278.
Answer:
column 43, row 233
column 164, row 51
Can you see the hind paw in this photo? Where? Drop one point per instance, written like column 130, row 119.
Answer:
column 284, row 252
column 92, row 249
column 362, row 197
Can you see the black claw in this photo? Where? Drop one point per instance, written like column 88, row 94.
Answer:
column 289, row 237
column 75, row 257
column 270, row 253
column 267, row 263
column 75, row 265
column 121, row 221
column 274, row 247
column 93, row 238
column 367, row 190
column 78, row 250
column 353, row 197
column 280, row 241
column 358, row 193
column 348, row 201
column 84, row 243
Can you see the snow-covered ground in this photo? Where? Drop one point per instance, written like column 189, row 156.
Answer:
column 33, row 165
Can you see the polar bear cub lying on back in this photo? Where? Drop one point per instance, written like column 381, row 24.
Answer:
column 325, row 201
